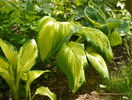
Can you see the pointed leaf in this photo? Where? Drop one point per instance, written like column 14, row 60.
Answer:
column 121, row 26
column 32, row 75
column 52, row 34
column 115, row 38
column 3, row 63
column 113, row 23
column 4, row 69
column 9, row 51
column 46, row 92
column 94, row 16
column 98, row 40
column 27, row 56
column 98, row 63
column 5, row 75
column 71, row 59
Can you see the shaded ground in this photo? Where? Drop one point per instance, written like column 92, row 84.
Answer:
column 90, row 90
column 58, row 83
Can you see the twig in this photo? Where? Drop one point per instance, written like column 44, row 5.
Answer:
column 115, row 94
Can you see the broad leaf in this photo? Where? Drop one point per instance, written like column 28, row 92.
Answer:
column 51, row 35
column 71, row 59
column 121, row 26
column 115, row 38
column 5, row 75
column 27, row 56
column 94, row 16
column 3, row 63
column 10, row 52
column 98, row 40
column 4, row 69
column 45, row 92
column 98, row 63
column 32, row 75
column 112, row 24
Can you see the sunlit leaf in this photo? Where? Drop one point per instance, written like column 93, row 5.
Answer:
column 10, row 52
column 115, row 38
column 98, row 63
column 32, row 75
column 112, row 24
column 79, row 2
column 52, row 34
column 3, row 63
column 98, row 40
column 27, row 56
column 5, row 74
column 4, row 69
column 71, row 59
column 46, row 92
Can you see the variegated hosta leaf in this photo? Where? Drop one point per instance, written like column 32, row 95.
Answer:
column 10, row 52
column 115, row 38
column 121, row 26
column 4, row 69
column 112, row 24
column 27, row 56
column 51, row 35
column 98, row 63
column 71, row 59
column 32, row 75
column 46, row 92
column 98, row 40
column 3, row 63
column 94, row 16
column 5, row 75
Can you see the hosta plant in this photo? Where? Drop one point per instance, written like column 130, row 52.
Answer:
column 72, row 54
column 17, row 66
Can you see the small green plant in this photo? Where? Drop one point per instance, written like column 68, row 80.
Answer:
column 17, row 65
column 55, row 36
column 121, row 80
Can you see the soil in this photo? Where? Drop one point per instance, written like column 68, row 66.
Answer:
column 90, row 90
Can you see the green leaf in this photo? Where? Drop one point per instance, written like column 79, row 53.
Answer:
column 115, row 38
column 4, row 68
column 121, row 26
column 32, row 75
column 93, row 15
column 98, row 63
column 98, row 40
column 45, row 92
column 79, row 2
column 52, row 34
column 27, row 56
column 8, row 3
column 10, row 52
column 3, row 63
column 5, row 75
column 71, row 59
column 112, row 24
